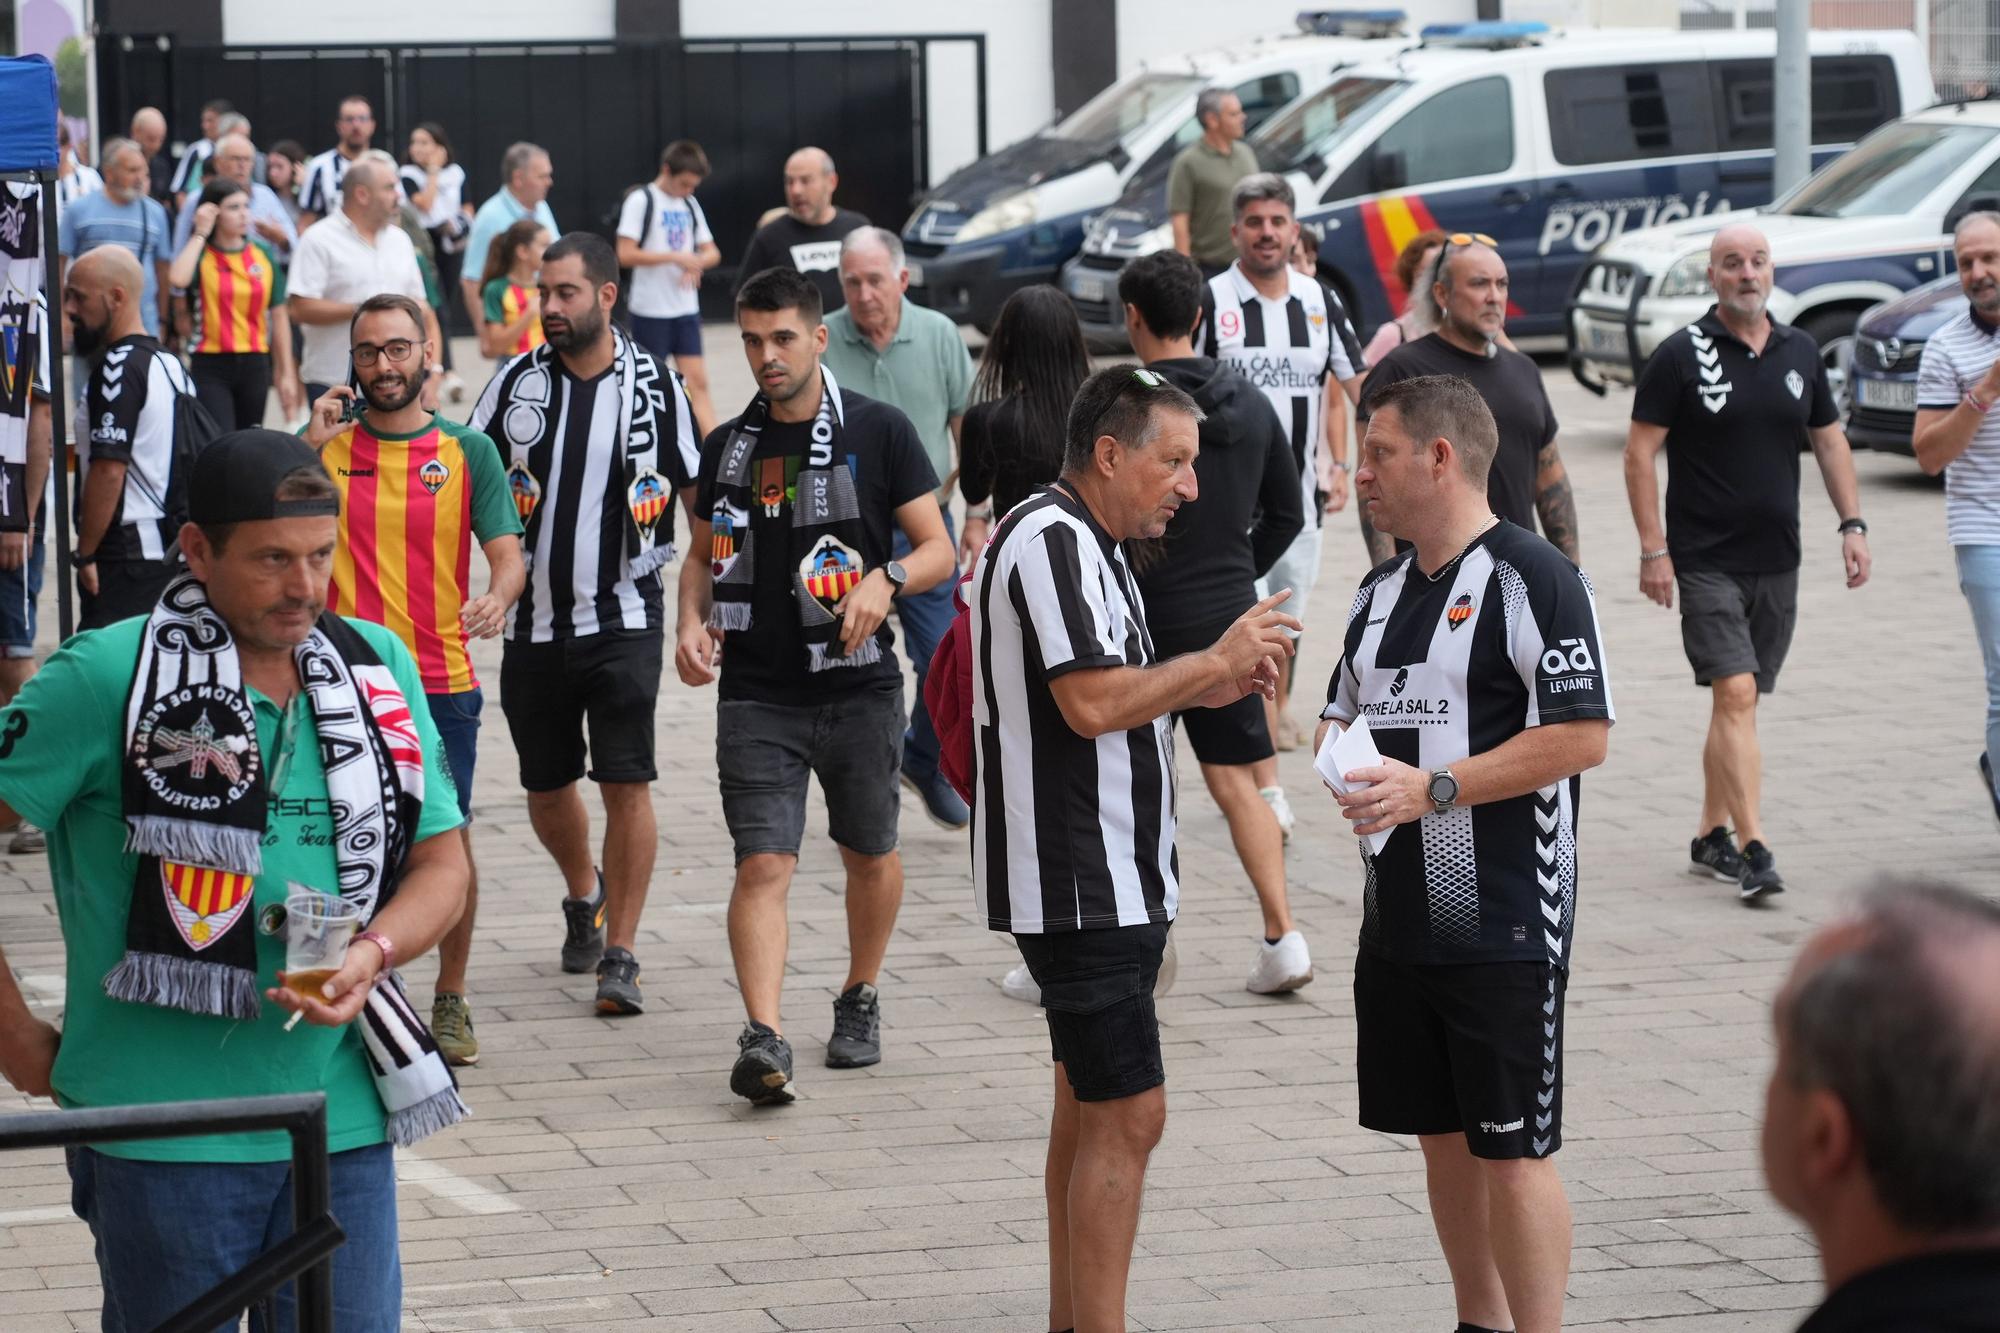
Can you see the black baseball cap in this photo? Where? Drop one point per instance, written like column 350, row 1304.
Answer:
column 235, row 479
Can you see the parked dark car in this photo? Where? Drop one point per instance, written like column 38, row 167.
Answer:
column 1888, row 344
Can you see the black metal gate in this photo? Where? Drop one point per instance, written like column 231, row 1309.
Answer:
column 602, row 109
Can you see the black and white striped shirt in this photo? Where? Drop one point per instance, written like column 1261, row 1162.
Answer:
column 1067, row 833
column 129, row 419
column 575, row 537
column 193, row 160
column 319, row 187
column 1286, row 348
column 1955, row 358
column 1505, row 641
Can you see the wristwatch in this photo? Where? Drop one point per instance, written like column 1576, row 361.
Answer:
column 1848, row 525
column 898, row 576
column 82, row 559
column 1443, row 791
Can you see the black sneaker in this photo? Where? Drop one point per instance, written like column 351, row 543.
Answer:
column 763, row 1072
column 1760, row 873
column 1715, row 855
column 618, row 983
column 857, row 1028
column 583, row 930
column 1986, row 779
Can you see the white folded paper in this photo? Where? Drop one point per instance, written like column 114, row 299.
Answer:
column 1345, row 750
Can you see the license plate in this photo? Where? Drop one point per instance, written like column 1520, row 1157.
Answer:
column 1895, row 395
column 916, row 274
column 1086, row 287
column 1606, row 340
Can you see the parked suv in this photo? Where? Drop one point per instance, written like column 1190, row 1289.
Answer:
column 1888, row 345
column 1550, row 142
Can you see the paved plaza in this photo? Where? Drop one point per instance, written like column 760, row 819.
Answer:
column 609, row 1181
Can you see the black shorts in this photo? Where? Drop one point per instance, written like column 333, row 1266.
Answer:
column 1236, row 735
column 125, row 588
column 764, row 754
column 1472, row 1048
column 1097, row 992
column 549, row 690
column 1738, row 624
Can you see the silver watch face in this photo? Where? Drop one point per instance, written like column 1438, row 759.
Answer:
column 1444, row 789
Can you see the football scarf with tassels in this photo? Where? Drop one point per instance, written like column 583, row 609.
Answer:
column 823, row 553
column 195, row 800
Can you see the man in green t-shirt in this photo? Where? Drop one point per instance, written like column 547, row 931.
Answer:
column 1202, row 177
column 231, row 689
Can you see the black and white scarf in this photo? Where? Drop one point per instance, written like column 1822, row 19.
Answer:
column 195, row 797
column 528, row 395
column 824, row 548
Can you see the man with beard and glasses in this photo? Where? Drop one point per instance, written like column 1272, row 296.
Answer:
column 1288, row 335
column 801, row 498
column 416, row 492
column 1527, row 481
column 357, row 253
column 1734, row 398
column 1957, row 384
column 599, row 441
column 131, row 498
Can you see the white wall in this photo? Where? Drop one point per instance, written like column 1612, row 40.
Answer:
column 1020, row 83
column 280, row 22
column 1150, row 31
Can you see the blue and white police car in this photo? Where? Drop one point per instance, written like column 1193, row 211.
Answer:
column 1550, row 142
column 1012, row 218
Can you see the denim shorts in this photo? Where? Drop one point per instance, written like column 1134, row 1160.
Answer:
column 20, row 589
column 853, row 743
column 166, row 1232
column 457, row 719
column 1097, row 993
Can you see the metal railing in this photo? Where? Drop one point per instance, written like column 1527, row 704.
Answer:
column 306, row 1254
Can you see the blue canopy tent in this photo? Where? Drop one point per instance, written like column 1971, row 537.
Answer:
column 28, row 109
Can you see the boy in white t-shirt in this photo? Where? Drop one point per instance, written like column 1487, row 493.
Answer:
column 663, row 238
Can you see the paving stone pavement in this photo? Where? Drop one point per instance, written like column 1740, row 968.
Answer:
column 610, row 1181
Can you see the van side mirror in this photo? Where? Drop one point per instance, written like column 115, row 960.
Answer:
column 1977, row 203
column 1388, row 170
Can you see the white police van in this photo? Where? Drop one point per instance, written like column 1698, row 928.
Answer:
column 1864, row 229
column 1551, row 143
column 1012, row 218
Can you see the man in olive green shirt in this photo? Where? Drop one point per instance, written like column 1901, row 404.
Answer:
column 172, row 1216
column 1202, row 177
column 886, row 347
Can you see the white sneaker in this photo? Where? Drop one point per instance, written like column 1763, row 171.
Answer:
column 1170, row 967
column 1282, row 808
column 1284, row 966
column 1020, row 985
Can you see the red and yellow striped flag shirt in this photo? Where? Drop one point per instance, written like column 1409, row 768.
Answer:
column 410, row 510
column 233, row 293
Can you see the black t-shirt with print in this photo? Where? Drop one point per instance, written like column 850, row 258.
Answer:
column 767, row 662
column 814, row 250
column 1736, row 421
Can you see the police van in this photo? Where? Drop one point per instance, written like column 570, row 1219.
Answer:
column 1550, row 143
column 1864, row 229
column 1012, row 218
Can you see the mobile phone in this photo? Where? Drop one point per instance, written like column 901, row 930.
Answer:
column 350, row 410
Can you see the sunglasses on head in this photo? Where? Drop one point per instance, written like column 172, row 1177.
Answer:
column 1468, row 237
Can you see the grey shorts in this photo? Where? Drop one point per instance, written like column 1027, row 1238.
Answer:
column 853, row 743
column 1738, row 624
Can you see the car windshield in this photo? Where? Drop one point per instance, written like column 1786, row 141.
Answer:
column 1122, row 108
column 1886, row 173
column 1312, row 125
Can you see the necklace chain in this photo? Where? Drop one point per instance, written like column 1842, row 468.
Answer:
column 1491, row 519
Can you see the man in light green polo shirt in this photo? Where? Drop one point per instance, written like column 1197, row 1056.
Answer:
column 1200, row 182
column 889, row 348
column 171, row 1216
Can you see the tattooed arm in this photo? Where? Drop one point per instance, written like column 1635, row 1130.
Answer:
column 1555, row 504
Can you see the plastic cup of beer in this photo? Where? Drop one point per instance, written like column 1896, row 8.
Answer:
column 318, row 928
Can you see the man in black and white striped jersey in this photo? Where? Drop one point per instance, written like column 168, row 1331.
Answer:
column 1073, row 825
column 600, row 445
column 1287, row 334
column 1476, row 660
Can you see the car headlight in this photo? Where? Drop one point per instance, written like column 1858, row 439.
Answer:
column 1687, row 276
column 1016, row 210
